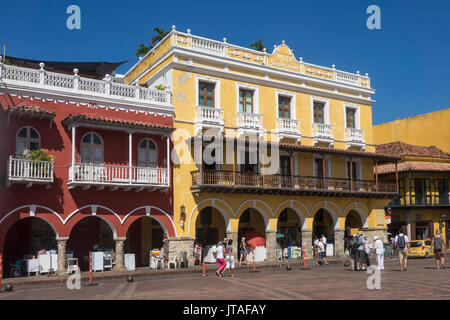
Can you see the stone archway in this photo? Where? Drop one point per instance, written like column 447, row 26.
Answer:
column 25, row 238
column 144, row 235
column 324, row 223
column 353, row 223
column 91, row 233
column 252, row 220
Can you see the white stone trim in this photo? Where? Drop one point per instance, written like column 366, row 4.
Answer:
column 216, row 82
column 357, row 114
column 293, row 106
column 326, row 111
column 255, row 90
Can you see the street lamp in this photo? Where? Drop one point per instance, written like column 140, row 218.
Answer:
column 182, row 215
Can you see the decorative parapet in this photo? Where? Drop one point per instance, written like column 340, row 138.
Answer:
column 74, row 84
column 282, row 57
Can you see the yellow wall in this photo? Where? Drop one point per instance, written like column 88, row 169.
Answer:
column 184, row 97
column 429, row 129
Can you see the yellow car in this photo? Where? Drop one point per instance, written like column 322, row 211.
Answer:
column 420, row 249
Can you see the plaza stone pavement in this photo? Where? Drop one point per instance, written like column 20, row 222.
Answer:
column 421, row 281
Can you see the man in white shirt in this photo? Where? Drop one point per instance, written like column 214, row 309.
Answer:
column 379, row 251
column 324, row 241
column 321, row 247
column 401, row 243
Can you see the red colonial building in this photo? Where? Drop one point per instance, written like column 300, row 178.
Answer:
column 107, row 184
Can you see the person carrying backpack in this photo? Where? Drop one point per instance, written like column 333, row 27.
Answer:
column 360, row 256
column 439, row 249
column 401, row 243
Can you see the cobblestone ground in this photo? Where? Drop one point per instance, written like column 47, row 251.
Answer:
column 421, row 281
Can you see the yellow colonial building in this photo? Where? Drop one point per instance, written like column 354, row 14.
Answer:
column 433, row 127
column 422, row 206
column 266, row 143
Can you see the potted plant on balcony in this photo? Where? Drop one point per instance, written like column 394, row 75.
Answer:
column 40, row 155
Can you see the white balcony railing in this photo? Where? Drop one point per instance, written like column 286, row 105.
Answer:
column 250, row 120
column 355, row 135
column 289, row 126
column 101, row 174
column 322, row 131
column 76, row 84
column 30, row 171
column 209, row 115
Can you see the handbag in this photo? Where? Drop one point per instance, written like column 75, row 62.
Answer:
column 368, row 261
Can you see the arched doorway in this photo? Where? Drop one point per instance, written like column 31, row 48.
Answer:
column 210, row 227
column 289, row 229
column 89, row 234
column 250, row 221
column 144, row 235
column 24, row 239
column 323, row 224
column 353, row 223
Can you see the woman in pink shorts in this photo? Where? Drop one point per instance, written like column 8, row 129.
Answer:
column 220, row 259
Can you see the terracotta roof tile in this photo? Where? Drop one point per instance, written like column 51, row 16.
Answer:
column 403, row 149
column 414, row 166
column 82, row 118
column 31, row 111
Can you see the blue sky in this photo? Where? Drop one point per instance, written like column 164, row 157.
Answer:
column 407, row 60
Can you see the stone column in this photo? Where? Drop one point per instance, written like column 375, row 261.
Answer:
column 307, row 243
column 61, row 255
column 177, row 245
column 339, row 242
column 233, row 235
column 271, row 245
column 119, row 254
column 408, row 218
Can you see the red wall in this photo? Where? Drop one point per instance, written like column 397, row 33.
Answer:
column 59, row 198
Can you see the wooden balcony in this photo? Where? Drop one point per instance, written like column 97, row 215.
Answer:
column 115, row 177
column 243, row 182
column 29, row 172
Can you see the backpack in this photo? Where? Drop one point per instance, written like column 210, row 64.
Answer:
column 437, row 243
column 401, row 242
column 356, row 243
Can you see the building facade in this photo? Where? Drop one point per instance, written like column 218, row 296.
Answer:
column 422, row 206
column 107, row 184
column 268, row 143
column 433, row 127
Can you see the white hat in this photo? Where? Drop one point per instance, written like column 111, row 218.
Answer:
column 375, row 238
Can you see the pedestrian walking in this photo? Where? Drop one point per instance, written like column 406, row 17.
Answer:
column 401, row 244
column 360, row 252
column 244, row 252
column 367, row 248
column 439, row 249
column 379, row 251
column 324, row 241
column 316, row 250
column 353, row 247
column 229, row 258
column 321, row 248
column 220, row 259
